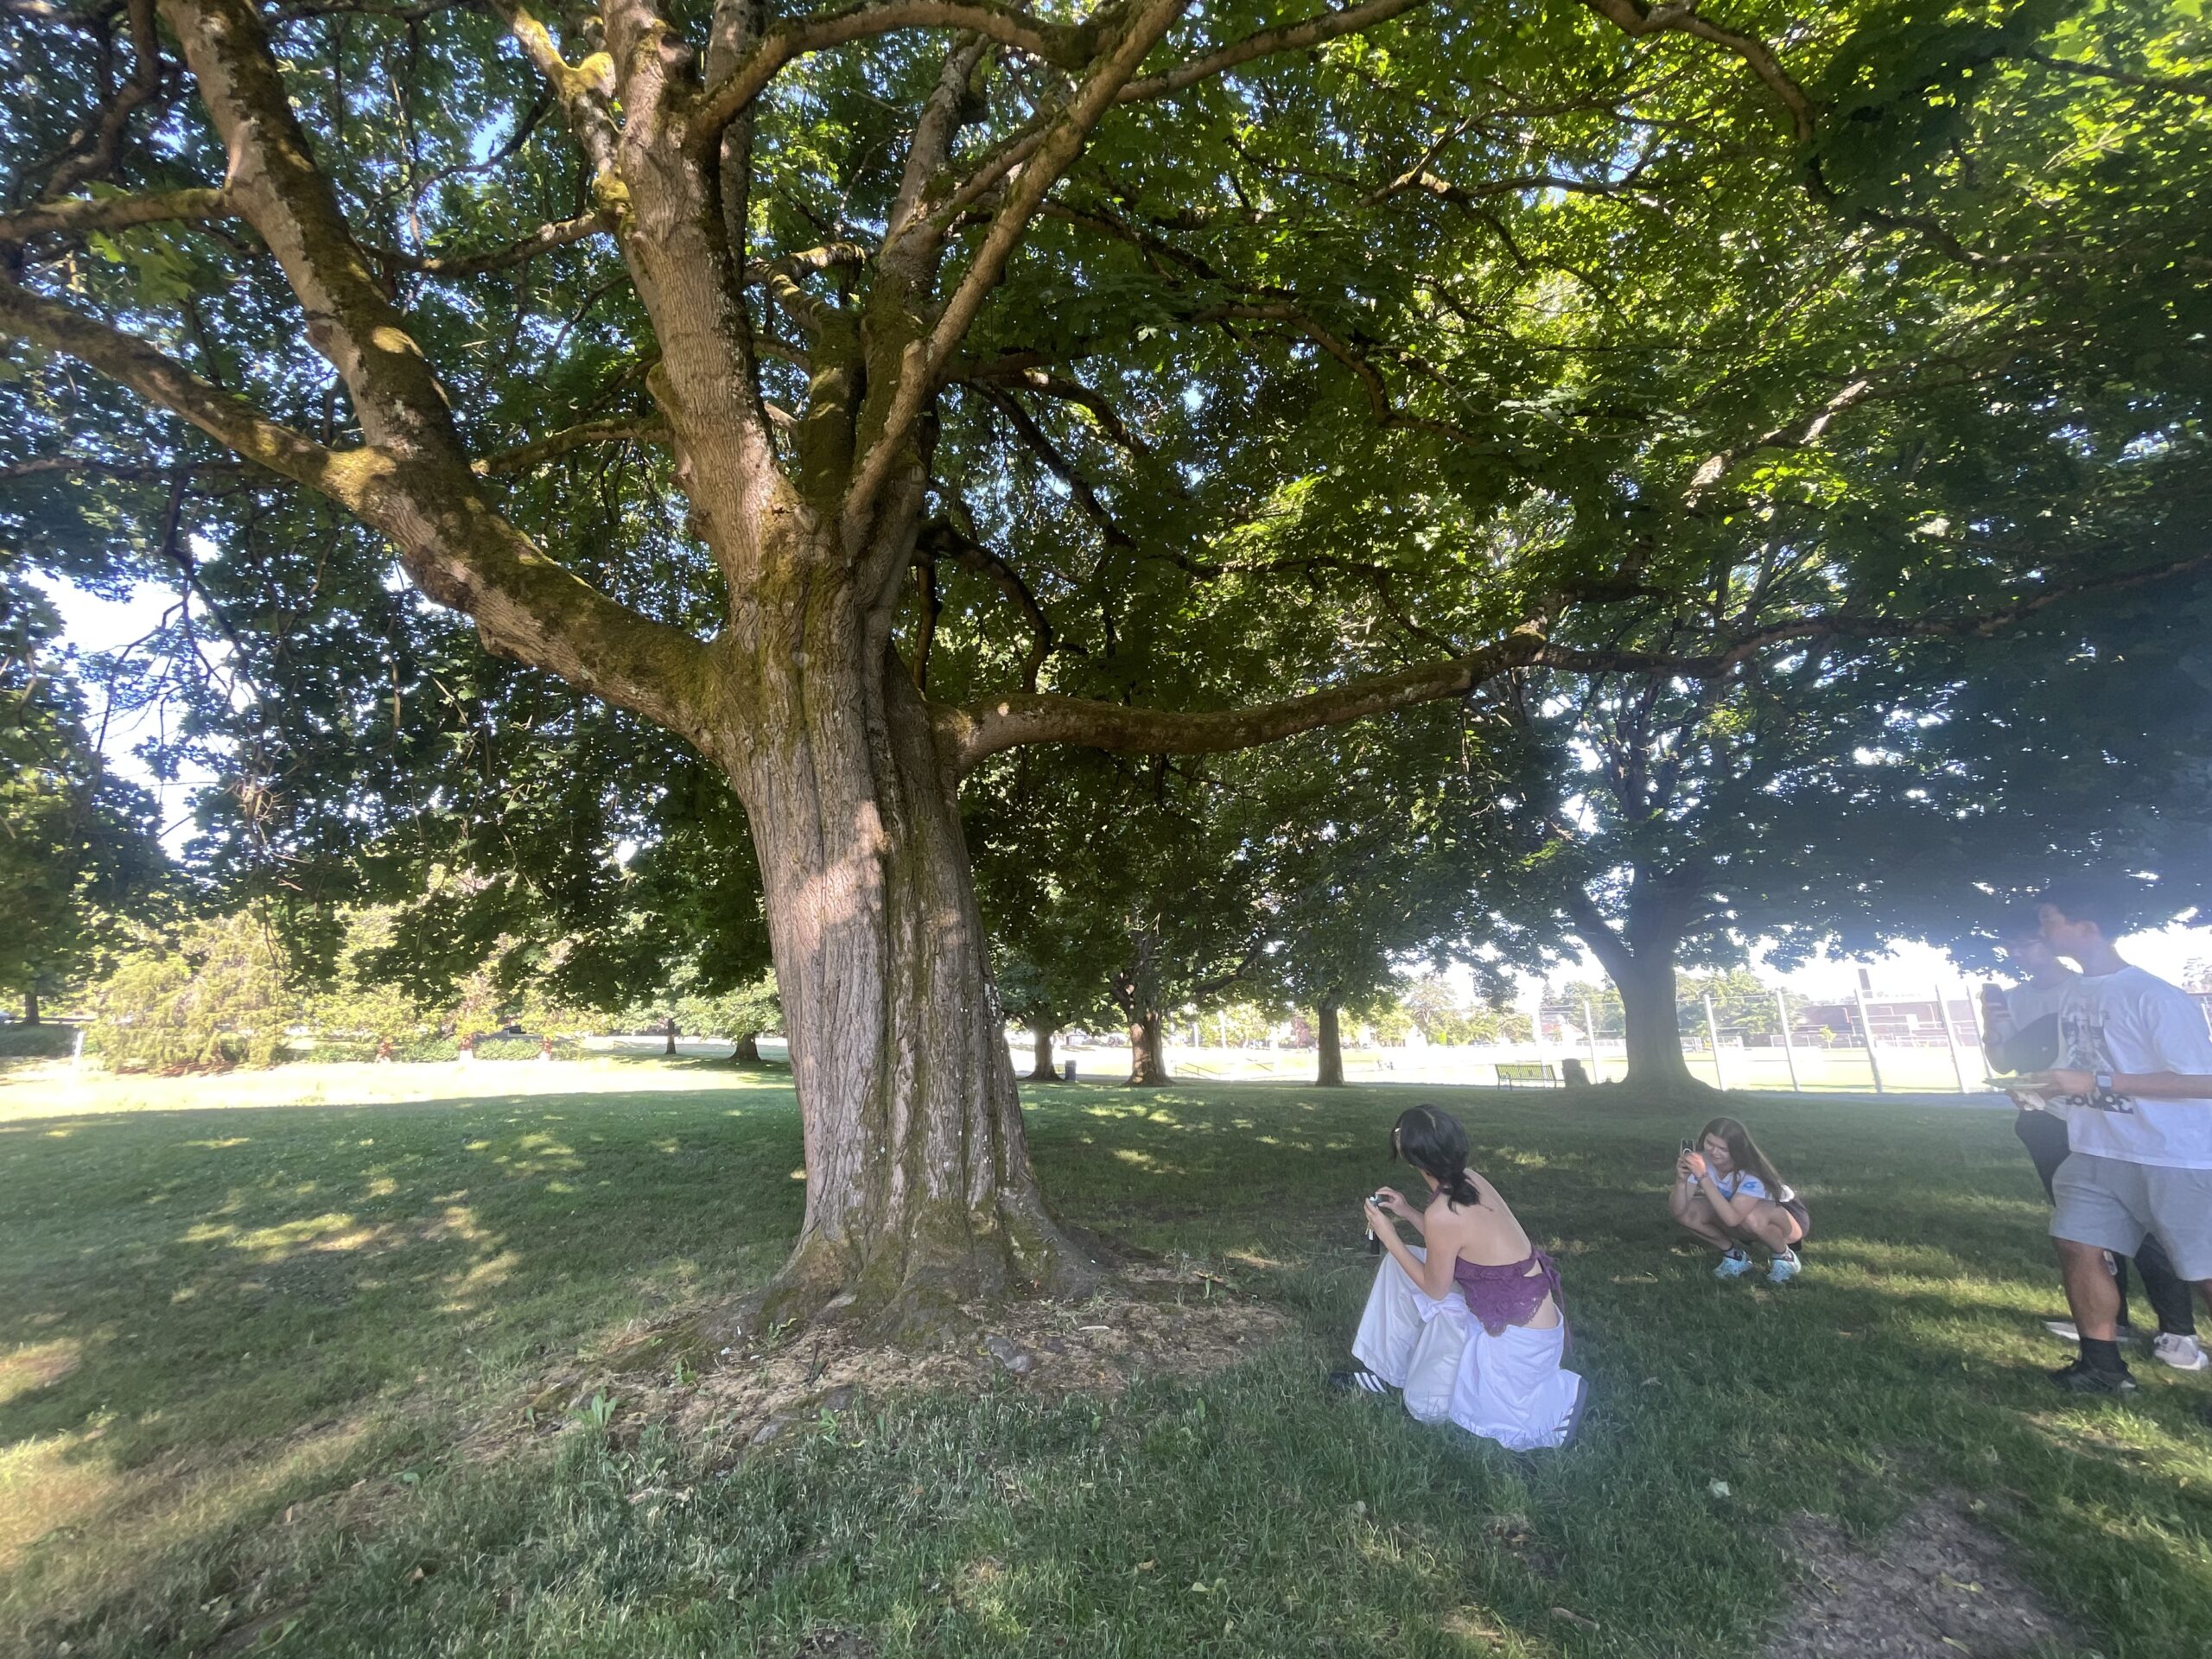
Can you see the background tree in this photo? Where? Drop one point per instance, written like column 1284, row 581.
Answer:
column 78, row 854
column 880, row 425
column 214, row 997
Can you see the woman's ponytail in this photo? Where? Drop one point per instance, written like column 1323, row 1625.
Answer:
column 1431, row 1140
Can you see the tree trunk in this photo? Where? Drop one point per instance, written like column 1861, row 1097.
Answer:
column 919, row 1193
column 748, row 1049
column 668, row 1052
column 1654, row 1034
column 1043, row 1069
column 1332, row 1072
column 30, row 1006
column 1639, row 959
column 1148, row 1047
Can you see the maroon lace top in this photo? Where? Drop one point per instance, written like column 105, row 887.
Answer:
column 1509, row 1292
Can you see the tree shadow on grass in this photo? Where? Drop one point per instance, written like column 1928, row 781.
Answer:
column 192, row 1281
column 174, row 1251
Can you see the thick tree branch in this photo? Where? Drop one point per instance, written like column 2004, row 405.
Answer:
column 1791, row 436
column 1681, row 16
column 93, row 150
column 81, row 215
column 945, row 538
column 1290, row 37
column 926, row 361
column 586, row 91
column 275, row 184
column 969, row 734
column 544, row 240
column 458, row 551
column 721, row 104
column 163, row 381
column 1031, row 379
column 524, row 456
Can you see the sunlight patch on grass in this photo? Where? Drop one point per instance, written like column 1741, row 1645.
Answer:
column 39, row 1365
column 1147, row 1162
column 333, row 1230
column 117, row 1526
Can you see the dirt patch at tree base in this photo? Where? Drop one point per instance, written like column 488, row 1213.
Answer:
column 1934, row 1587
column 1147, row 1321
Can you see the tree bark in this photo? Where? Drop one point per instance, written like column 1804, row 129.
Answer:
column 919, row 1193
column 30, row 1006
column 747, row 1052
column 1043, row 1071
column 1148, row 1047
column 668, row 1051
column 1331, row 1074
column 1638, row 957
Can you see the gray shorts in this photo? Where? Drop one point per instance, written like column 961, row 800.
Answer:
column 2115, row 1205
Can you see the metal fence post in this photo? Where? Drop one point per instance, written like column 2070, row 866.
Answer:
column 1713, row 1036
column 1866, row 1028
column 1788, row 1048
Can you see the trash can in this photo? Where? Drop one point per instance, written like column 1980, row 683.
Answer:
column 1067, row 1072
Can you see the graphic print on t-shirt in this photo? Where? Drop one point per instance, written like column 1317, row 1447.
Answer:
column 2082, row 1036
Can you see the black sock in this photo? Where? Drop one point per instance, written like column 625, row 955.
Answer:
column 2102, row 1355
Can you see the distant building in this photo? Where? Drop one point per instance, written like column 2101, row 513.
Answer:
column 1901, row 1017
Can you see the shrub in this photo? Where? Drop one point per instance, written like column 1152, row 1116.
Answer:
column 216, row 998
column 48, row 1042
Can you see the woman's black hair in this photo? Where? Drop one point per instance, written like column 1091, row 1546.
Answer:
column 1431, row 1140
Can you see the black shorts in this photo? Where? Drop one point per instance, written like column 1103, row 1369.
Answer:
column 1796, row 1207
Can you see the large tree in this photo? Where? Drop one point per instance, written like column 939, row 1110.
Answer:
column 1119, row 319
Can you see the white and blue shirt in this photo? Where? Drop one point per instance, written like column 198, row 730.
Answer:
column 1742, row 1181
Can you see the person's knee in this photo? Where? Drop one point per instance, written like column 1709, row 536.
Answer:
column 2073, row 1252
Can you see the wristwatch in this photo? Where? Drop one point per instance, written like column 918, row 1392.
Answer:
column 2103, row 1080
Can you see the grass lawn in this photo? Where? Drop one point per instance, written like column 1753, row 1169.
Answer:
column 242, row 1342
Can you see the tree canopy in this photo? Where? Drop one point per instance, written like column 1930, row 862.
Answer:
column 855, row 395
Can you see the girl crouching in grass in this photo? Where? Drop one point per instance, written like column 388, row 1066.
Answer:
column 1468, row 1324
column 1727, row 1193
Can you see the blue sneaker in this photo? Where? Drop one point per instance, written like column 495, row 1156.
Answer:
column 1786, row 1266
column 1734, row 1265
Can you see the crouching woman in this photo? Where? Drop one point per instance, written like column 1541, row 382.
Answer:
column 1467, row 1325
column 1727, row 1193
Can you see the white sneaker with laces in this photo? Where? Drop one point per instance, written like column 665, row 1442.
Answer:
column 2183, row 1353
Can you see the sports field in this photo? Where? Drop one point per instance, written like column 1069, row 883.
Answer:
column 281, row 1368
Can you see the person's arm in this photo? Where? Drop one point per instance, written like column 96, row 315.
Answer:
column 2143, row 1085
column 1433, row 1276
column 1736, row 1210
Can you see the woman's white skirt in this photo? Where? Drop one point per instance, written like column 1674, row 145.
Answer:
column 1507, row 1388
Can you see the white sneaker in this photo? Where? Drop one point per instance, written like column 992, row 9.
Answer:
column 2183, row 1353
column 2064, row 1331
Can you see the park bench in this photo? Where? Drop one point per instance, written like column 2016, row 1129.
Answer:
column 1513, row 1073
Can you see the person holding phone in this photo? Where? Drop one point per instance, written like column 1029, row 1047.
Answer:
column 1728, row 1194
column 2135, row 1074
column 2020, row 1035
column 1467, row 1326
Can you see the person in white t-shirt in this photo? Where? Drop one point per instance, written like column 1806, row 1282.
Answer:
column 2020, row 1033
column 2134, row 1077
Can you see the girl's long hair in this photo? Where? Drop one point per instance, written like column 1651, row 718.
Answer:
column 1431, row 1140
column 1745, row 1154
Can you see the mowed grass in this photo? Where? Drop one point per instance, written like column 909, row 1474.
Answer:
column 241, row 1349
